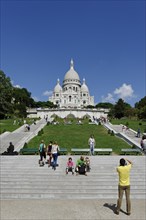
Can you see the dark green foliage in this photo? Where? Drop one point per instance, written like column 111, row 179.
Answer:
column 119, row 109
column 127, row 124
column 133, row 146
column 47, row 104
column 104, row 105
column 141, row 103
column 25, row 145
column 41, row 132
column 5, row 95
column 112, row 133
column 4, row 131
column 90, row 106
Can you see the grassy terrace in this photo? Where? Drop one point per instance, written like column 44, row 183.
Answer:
column 9, row 125
column 76, row 136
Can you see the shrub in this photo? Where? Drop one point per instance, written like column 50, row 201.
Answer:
column 109, row 131
column 133, row 146
column 4, row 131
column 112, row 133
column 25, row 145
column 127, row 124
column 40, row 132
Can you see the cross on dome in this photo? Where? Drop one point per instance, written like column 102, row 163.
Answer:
column 84, row 81
column 71, row 64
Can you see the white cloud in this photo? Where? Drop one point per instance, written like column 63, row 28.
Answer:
column 124, row 92
column 47, row 93
column 108, row 98
column 16, row 86
column 35, row 98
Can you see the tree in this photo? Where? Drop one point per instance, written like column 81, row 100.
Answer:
column 44, row 104
column 141, row 108
column 119, row 109
column 142, row 113
column 141, row 103
column 6, row 90
column 21, row 99
column 104, row 105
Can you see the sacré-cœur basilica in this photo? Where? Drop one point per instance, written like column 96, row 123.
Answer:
column 72, row 99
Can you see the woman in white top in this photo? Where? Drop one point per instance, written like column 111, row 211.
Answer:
column 91, row 143
column 55, row 150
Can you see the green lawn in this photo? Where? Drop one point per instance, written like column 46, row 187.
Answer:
column 76, row 136
column 9, row 125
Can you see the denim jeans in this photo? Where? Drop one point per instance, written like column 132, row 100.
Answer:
column 55, row 156
column 121, row 190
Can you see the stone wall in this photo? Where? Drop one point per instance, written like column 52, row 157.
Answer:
column 63, row 113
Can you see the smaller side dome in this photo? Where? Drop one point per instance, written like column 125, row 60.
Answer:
column 58, row 88
column 84, row 87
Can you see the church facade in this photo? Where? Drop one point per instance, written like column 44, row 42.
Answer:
column 72, row 94
column 72, row 100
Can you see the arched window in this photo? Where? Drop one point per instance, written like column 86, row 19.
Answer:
column 69, row 98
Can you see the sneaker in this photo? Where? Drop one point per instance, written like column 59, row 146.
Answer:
column 116, row 212
column 72, row 173
column 128, row 213
column 66, row 172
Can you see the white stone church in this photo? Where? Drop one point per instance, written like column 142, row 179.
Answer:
column 72, row 94
column 72, row 99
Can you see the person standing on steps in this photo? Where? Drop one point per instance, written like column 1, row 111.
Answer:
column 42, row 151
column 124, row 184
column 54, row 151
column 49, row 153
column 91, row 143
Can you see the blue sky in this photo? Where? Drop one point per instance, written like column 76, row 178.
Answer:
column 106, row 40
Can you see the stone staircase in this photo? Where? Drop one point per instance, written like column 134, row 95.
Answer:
column 19, row 137
column 22, row 178
column 130, row 136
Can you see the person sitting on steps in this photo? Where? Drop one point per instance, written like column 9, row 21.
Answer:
column 81, row 166
column 70, row 166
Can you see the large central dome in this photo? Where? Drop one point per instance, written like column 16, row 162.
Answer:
column 71, row 74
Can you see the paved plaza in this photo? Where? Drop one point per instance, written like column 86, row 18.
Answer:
column 69, row 210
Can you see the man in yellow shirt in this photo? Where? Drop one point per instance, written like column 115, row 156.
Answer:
column 124, row 184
